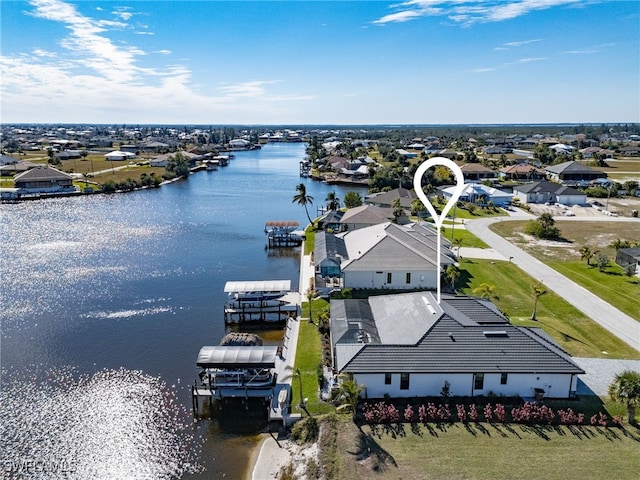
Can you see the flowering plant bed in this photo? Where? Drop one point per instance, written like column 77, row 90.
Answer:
column 531, row 413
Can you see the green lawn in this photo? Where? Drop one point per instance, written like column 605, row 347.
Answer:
column 611, row 285
column 468, row 238
column 481, row 451
column 308, row 357
column 575, row 332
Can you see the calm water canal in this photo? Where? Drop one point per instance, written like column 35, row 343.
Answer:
column 105, row 302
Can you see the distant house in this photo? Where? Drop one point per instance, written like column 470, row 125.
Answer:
column 365, row 216
column 477, row 172
column 239, row 144
column 408, row 345
column 629, row 256
column 479, row 194
column 14, row 168
column 118, row 155
column 70, row 154
column 522, row 171
column 387, row 199
column 383, row 256
column 406, row 153
column 573, row 173
column 43, row 180
column 8, row 160
column 543, row 192
column 330, row 220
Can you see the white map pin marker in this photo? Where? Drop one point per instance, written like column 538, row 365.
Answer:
column 417, row 185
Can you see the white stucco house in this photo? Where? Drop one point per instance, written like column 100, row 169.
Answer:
column 479, row 194
column 383, row 256
column 118, row 155
column 408, row 345
column 552, row 192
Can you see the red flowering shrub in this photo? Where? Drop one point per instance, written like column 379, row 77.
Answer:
column 422, row 414
column 500, row 412
column 462, row 415
column 488, row 413
column 408, row 414
column 473, row 413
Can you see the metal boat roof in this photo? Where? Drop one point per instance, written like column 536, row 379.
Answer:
column 237, row 357
column 258, row 286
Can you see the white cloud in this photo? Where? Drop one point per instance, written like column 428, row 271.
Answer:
column 522, row 42
column 468, row 12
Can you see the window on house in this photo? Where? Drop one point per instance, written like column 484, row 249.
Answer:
column 387, row 379
column 389, row 277
column 478, row 381
column 404, row 381
column 503, row 378
column 408, row 277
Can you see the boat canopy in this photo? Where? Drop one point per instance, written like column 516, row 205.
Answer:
column 258, row 286
column 237, row 357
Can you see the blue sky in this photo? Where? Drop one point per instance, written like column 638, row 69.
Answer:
column 320, row 62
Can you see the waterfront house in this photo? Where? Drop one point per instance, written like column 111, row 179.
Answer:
column 387, row 199
column 43, row 180
column 408, row 345
column 549, row 192
column 365, row 216
column 383, row 256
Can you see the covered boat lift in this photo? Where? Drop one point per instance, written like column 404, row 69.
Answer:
column 237, row 356
column 236, row 372
column 283, row 233
column 258, row 301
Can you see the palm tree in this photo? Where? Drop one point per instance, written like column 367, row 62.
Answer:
column 587, row 253
column 297, row 374
column 348, row 395
column 451, row 273
column 301, row 198
column 458, row 243
column 333, row 202
column 485, row 290
column 537, row 291
column 625, row 388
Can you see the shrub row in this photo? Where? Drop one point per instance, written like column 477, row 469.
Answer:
column 528, row 413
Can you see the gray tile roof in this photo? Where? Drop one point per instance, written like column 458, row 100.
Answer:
column 387, row 198
column 547, row 187
column 367, row 215
column 394, row 247
column 452, row 342
column 42, row 174
column 570, row 167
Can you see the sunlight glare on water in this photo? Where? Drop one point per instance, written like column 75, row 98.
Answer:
column 115, row 424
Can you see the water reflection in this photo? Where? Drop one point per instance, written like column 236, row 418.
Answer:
column 113, row 424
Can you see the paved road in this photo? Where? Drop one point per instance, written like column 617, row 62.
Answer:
column 617, row 322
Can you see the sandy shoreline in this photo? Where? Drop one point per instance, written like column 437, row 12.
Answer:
column 268, row 460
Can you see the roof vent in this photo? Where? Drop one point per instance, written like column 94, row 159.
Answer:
column 495, row 333
column 429, row 306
